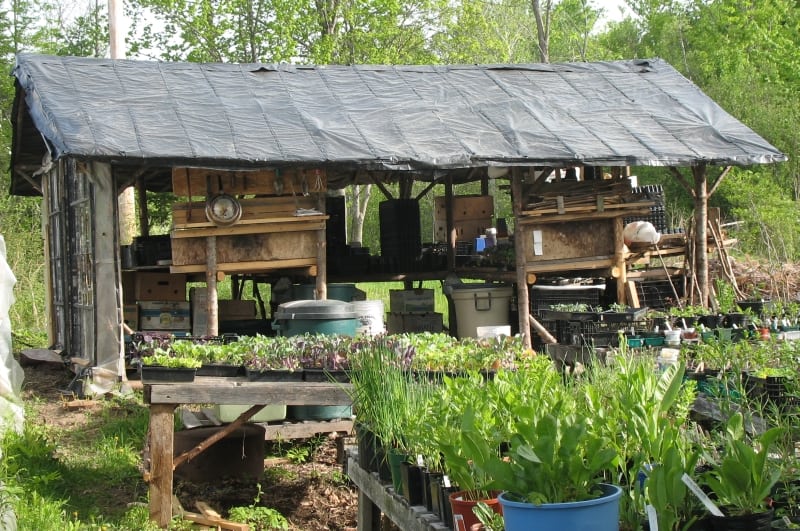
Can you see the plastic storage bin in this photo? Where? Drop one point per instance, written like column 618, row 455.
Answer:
column 480, row 305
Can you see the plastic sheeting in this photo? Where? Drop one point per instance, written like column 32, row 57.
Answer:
column 12, row 415
column 619, row 113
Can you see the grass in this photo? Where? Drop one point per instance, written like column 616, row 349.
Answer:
column 79, row 477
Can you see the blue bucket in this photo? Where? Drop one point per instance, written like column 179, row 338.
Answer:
column 597, row 514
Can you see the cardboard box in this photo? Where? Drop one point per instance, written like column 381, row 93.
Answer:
column 228, row 310
column 411, row 300
column 465, row 208
column 465, row 230
column 130, row 315
column 164, row 315
column 399, row 323
column 160, row 287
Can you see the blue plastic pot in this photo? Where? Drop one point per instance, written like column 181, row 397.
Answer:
column 597, row 514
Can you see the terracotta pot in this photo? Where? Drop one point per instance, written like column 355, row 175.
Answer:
column 463, row 517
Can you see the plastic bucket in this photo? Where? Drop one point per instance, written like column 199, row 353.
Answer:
column 598, row 514
column 370, row 317
column 480, row 305
column 327, row 317
column 319, row 412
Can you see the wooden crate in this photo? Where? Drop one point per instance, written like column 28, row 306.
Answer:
column 202, row 182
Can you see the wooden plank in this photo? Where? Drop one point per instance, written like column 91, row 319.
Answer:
column 216, row 523
column 570, row 264
column 209, row 390
column 305, row 430
column 585, row 216
column 249, row 248
column 161, row 448
column 601, row 204
column 250, row 267
column 252, row 209
column 574, row 240
column 194, row 181
column 414, row 518
column 263, row 227
column 630, row 294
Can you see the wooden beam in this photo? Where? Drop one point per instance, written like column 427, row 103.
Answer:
column 619, row 260
column 718, row 180
column 162, row 432
column 520, row 250
column 211, row 283
column 543, row 332
column 682, row 180
column 385, row 191
column 209, row 390
column 217, row 436
column 251, row 267
column 322, row 255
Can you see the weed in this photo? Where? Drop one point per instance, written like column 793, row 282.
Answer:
column 260, row 517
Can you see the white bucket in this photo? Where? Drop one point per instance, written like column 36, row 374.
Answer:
column 672, row 337
column 369, row 315
column 493, row 331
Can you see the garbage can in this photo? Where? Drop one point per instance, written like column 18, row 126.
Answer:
column 327, row 317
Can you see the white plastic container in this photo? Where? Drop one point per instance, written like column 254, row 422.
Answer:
column 480, row 305
column 229, row 413
column 369, row 314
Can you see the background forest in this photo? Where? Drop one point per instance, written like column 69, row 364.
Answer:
column 745, row 54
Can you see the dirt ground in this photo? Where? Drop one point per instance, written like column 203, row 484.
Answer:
column 314, row 495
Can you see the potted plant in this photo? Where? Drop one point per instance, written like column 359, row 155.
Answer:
column 742, row 478
column 163, row 366
column 216, row 358
column 553, row 474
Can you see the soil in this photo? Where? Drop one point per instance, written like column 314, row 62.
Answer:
column 313, row 495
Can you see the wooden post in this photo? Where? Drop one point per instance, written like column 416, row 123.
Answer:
column 211, row 283
column 701, row 232
column 619, row 260
column 322, row 255
column 141, row 192
column 520, row 250
column 162, row 432
column 451, row 233
column 369, row 515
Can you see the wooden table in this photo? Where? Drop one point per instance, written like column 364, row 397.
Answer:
column 164, row 398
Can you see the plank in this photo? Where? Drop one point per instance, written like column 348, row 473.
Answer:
column 583, row 216
column 209, row 390
column 305, row 430
column 217, row 523
column 264, row 226
column 249, row 267
column 161, row 448
column 593, row 205
column 569, row 264
column 414, row 518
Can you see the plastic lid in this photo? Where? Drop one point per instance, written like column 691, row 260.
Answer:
column 313, row 309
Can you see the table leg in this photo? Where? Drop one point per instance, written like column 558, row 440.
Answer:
column 369, row 515
column 162, row 430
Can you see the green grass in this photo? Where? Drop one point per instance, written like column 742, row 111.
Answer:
column 81, row 477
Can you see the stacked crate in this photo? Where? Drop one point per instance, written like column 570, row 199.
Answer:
column 412, row 310
column 162, row 304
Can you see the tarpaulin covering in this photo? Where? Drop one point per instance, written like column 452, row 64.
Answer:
column 620, row 113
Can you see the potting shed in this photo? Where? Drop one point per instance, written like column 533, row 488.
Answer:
column 252, row 151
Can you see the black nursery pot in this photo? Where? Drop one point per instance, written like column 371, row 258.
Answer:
column 430, row 490
column 745, row 522
column 367, row 458
column 412, row 483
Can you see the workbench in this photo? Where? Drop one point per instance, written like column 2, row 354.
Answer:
column 164, row 398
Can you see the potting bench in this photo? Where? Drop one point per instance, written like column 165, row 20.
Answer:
column 164, row 398
column 375, row 498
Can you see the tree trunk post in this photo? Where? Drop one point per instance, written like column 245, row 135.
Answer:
column 701, row 232
column 520, row 239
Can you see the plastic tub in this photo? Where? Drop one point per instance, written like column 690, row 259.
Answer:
column 327, row 317
column 480, row 305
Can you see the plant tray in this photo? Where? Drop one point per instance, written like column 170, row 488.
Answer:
column 151, row 374
column 636, row 314
column 556, row 315
column 220, row 370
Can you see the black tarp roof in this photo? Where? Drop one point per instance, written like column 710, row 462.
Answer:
column 422, row 118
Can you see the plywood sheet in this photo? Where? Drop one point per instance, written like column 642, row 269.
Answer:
column 560, row 241
column 247, row 248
